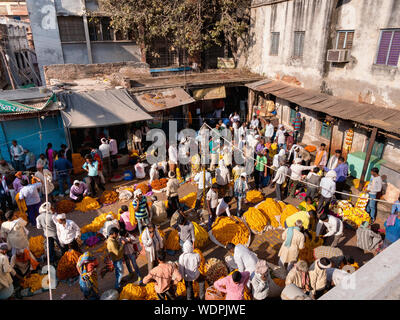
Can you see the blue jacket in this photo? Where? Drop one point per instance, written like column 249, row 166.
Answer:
column 393, row 232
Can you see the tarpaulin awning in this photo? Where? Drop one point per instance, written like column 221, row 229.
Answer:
column 210, row 93
column 13, row 106
column 368, row 114
column 163, row 99
column 100, row 108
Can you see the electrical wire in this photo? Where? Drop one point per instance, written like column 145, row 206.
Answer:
column 304, row 182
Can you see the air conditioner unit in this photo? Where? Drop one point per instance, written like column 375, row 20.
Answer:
column 338, row 55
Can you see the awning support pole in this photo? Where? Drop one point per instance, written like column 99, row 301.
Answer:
column 367, row 157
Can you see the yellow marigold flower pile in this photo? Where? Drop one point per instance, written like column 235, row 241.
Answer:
column 215, row 269
column 282, row 205
column 172, row 242
column 36, row 246
column 356, row 215
column 287, row 212
column 159, row 184
column 144, row 187
column 225, row 230
column 108, row 197
column 307, row 254
column 87, row 204
column 133, row 292
column 151, row 291
column 200, row 236
column 255, row 219
column 254, row 196
column 66, row 267
column 97, row 223
column 190, row 200
column 270, row 208
column 181, row 289
column 34, row 282
column 202, row 267
column 65, row 206
column 247, row 294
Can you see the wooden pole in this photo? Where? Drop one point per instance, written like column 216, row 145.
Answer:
column 330, row 139
column 367, row 157
column 8, row 69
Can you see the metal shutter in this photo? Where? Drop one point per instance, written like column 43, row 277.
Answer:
column 274, row 43
column 394, row 49
column 71, row 28
column 386, row 37
column 298, row 43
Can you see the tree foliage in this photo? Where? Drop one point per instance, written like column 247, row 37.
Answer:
column 190, row 25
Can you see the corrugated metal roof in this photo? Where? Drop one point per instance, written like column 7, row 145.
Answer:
column 24, row 94
column 367, row 114
column 163, row 99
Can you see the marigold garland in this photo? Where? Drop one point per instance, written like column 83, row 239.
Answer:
column 108, row 197
column 36, row 245
column 254, row 196
column 255, row 219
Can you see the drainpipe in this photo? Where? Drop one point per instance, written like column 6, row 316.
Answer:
column 86, row 28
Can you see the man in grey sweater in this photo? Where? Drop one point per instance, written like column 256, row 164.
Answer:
column 185, row 229
column 44, row 219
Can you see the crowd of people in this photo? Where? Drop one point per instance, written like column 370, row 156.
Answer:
column 266, row 157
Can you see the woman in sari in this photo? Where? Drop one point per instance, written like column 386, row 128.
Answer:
column 86, row 266
column 50, row 156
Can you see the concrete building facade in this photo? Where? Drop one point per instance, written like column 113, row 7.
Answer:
column 290, row 41
column 63, row 33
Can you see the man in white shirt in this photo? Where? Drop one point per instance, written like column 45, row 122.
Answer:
column 334, row 228
column 280, row 137
column 30, row 192
column 14, row 232
column 108, row 224
column 223, row 206
column 374, row 187
column 173, row 156
column 333, row 161
column 212, row 203
column 222, row 176
column 269, row 130
column 139, row 169
column 68, row 233
column 328, row 189
column 243, row 258
column 296, row 174
column 199, row 179
column 242, row 129
column 254, row 123
column 17, row 155
column 113, row 152
column 105, row 151
column 280, row 178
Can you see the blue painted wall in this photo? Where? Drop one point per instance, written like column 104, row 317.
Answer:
column 32, row 135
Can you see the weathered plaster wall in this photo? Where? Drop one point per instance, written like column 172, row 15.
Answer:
column 360, row 79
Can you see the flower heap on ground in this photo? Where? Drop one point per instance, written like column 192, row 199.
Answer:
column 226, row 230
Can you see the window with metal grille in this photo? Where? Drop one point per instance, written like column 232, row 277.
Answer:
column 100, row 30
column 292, row 115
column 389, row 48
column 71, row 28
column 325, row 131
column 298, row 43
column 344, row 39
column 274, row 44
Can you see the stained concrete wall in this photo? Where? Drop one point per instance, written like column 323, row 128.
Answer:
column 378, row 279
column 359, row 80
column 50, row 50
column 45, row 32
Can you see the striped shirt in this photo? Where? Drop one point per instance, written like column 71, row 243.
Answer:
column 367, row 239
column 140, row 208
column 297, row 124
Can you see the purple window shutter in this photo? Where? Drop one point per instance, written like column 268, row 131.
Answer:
column 384, row 47
column 394, row 50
